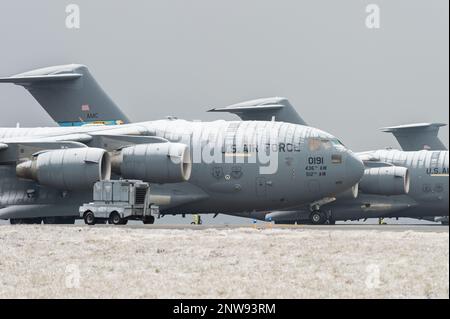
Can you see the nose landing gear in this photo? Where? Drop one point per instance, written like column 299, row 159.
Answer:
column 318, row 217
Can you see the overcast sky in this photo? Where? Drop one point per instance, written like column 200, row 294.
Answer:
column 181, row 57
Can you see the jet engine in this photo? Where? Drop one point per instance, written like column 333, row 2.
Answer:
column 67, row 169
column 390, row 180
column 154, row 163
column 351, row 193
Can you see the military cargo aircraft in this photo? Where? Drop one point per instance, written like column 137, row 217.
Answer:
column 193, row 167
column 411, row 183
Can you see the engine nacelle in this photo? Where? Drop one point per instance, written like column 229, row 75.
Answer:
column 351, row 193
column 67, row 169
column 391, row 180
column 154, row 163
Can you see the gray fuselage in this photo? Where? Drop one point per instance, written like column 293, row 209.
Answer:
column 428, row 192
column 304, row 172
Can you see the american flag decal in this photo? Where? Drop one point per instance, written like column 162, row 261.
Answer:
column 85, row 108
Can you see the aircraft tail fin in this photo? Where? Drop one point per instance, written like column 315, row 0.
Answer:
column 70, row 95
column 274, row 108
column 416, row 137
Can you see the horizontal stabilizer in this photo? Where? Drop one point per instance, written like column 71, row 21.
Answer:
column 419, row 136
column 24, row 80
column 268, row 109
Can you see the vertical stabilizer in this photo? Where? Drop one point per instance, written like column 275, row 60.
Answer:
column 70, row 95
column 416, row 137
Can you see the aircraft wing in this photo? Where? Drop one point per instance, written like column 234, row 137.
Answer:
column 13, row 151
column 371, row 161
column 107, row 141
column 419, row 136
column 267, row 109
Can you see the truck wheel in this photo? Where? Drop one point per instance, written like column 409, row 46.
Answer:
column 318, row 218
column 115, row 219
column 89, row 218
column 149, row 220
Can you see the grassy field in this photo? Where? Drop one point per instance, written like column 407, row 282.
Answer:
column 72, row 262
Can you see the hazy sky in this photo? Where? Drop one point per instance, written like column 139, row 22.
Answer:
column 181, row 57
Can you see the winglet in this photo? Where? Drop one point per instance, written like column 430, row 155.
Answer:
column 266, row 109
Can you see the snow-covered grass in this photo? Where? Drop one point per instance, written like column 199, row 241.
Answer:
column 72, row 262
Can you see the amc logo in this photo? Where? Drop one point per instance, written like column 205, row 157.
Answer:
column 92, row 115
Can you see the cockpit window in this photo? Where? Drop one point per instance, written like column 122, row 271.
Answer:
column 336, row 142
column 317, row 144
column 314, row 144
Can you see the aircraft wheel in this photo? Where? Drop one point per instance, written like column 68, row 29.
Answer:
column 50, row 220
column 318, row 218
column 36, row 221
column 89, row 218
column 115, row 219
column 25, row 221
column 59, row 220
column 15, row 221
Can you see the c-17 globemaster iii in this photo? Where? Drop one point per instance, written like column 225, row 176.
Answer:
column 193, row 167
column 410, row 183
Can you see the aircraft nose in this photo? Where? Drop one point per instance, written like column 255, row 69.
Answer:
column 355, row 168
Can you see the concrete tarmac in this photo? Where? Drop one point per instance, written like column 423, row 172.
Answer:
column 341, row 227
